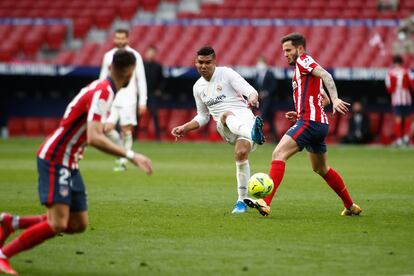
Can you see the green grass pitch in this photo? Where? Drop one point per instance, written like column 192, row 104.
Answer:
column 179, row 221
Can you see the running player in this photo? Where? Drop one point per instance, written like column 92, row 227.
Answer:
column 219, row 93
column 61, row 188
column 399, row 83
column 124, row 108
column 311, row 124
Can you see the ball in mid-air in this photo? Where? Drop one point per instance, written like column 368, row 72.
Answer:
column 260, row 185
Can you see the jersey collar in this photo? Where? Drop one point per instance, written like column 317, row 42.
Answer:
column 111, row 82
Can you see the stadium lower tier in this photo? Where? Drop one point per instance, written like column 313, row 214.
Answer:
column 381, row 126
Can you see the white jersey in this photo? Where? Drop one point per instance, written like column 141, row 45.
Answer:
column 138, row 84
column 224, row 92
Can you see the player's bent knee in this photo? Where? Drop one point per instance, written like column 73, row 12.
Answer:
column 242, row 154
column 58, row 226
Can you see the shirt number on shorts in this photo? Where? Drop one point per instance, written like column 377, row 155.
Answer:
column 64, row 176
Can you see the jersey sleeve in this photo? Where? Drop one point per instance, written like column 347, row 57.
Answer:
column 106, row 62
column 203, row 115
column 239, row 83
column 306, row 64
column 141, row 80
column 100, row 105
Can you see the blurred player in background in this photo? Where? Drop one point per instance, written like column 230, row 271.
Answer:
column 61, row 188
column 398, row 82
column 219, row 93
column 155, row 83
column 124, row 108
column 311, row 124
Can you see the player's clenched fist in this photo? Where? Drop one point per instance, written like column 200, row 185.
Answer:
column 291, row 116
column 178, row 131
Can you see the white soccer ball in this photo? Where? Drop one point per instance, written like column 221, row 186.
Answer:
column 260, row 185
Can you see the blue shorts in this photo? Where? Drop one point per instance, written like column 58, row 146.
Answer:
column 402, row 110
column 310, row 135
column 59, row 184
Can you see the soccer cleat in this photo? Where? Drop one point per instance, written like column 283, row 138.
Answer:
column 6, row 228
column 6, row 268
column 239, row 207
column 355, row 210
column 257, row 131
column 259, row 204
column 120, row 168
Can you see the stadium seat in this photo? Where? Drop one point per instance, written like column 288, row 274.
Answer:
column 15, row 126
column 33, row 126
column 282, row 125
column 49, row 125
column 55, row 36
column 387, row 134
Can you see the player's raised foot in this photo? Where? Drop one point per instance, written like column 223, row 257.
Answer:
column 6, row 268
column 6, row 228
column 259, row 204
column 257, row 131
column 354, row 210
column 239, row 207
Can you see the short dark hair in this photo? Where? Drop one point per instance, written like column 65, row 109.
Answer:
column 206, row 51
column 123, row 59
column 397, row 59
column 296, row 38
column 122, row 31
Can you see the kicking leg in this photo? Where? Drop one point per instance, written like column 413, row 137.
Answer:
column 241, row 154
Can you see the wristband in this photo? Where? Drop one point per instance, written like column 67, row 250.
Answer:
column 130, row 154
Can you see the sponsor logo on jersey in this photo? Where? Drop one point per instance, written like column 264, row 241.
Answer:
column 216, row 100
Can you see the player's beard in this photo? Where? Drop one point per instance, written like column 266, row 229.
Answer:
column 293, row 61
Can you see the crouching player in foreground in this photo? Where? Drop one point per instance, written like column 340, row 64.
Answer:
column 61, row 188
column 220, row 92
column 311, row 124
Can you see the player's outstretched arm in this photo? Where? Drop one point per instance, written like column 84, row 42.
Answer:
column 96, row 138
column 338, row 105
column 180, row 131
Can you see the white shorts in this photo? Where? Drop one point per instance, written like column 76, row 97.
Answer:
column 126, row 115
column 245, row 116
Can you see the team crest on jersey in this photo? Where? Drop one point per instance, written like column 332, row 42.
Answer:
column 294, row 85
column 219, row 88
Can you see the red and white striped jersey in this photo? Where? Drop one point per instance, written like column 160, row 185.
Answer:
column 307, row 91
column 399, row 82
column 92, row 103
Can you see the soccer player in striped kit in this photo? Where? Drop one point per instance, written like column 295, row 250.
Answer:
column 311, row 124
column 61, row 188
column 399, row 82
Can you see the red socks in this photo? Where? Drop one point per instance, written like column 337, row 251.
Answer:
column 26, row 222
column 335, row 181
column 31, row 237
column 276, row 173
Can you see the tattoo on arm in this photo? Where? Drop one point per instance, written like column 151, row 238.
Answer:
column 327, row 81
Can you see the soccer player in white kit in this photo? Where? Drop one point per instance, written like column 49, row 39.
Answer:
column 219, row 93
column 124, row 108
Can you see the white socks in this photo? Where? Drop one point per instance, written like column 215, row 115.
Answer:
column 127, row 144
column 237, row 127
column 115, row 137
column 242, row 175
